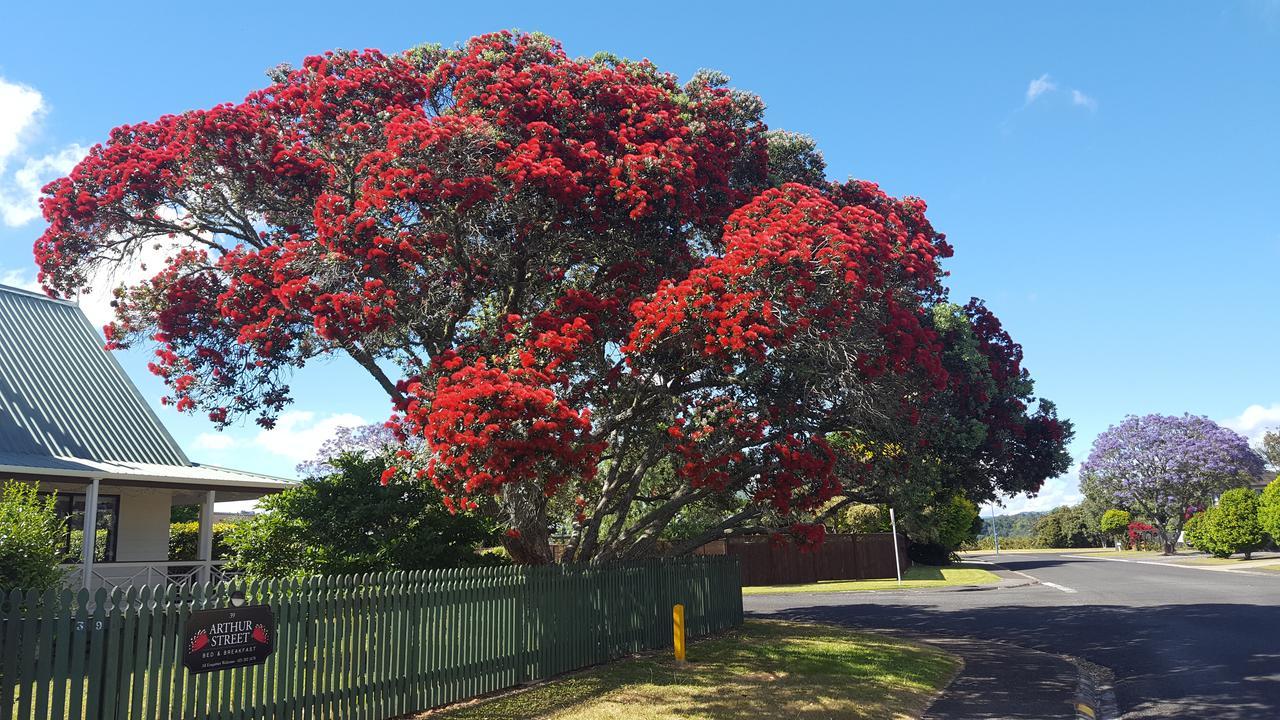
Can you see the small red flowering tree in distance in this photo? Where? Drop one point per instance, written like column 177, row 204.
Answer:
column 581, row 284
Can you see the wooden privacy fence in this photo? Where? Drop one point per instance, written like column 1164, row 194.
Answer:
column 367, row 647
column 840, row 557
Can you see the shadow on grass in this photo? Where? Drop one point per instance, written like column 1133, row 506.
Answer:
column 769, row 669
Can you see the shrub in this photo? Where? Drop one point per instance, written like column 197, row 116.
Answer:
column 1114, row 522
column 347, row 522
column 1142, row 536
column 31, row 536
column 1192, row 530
column 929, row 553
column 1269, row 510
column 1232, row 525
column 184, row 540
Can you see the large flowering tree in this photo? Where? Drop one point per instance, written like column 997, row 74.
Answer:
column 580, row 283
column 1166, row 467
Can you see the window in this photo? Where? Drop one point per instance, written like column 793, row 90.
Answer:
column 70, row 506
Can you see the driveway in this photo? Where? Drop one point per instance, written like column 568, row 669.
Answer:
column 1184, row 642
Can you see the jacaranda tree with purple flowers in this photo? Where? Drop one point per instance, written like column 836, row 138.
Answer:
column 1160, row 466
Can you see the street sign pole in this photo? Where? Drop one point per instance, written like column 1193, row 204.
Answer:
column 897, row 560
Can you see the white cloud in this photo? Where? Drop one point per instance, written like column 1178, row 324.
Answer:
column 1044, row 86
column 1255, row 420
column 21, row 110
column 20, row 106
column 1040, row 86
column 298, row 434
column 1079, row 98
column 1064, row 490
column 215, row 441
column 20, row 279
column 20, row 195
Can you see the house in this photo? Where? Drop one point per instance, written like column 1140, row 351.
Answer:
column 73, row 422
column 1261, row 483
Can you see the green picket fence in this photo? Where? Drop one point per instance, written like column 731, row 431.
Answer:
column 362, row 647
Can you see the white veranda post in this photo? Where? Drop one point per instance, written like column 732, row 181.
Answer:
column 204, row 551
column 90, row 528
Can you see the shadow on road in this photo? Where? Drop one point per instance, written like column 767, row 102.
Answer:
column 1218, row 661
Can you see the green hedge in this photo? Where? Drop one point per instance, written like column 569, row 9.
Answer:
column 1006, row 543
column 185, row 537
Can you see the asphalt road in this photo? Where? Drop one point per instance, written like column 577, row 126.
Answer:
column 1183, row 642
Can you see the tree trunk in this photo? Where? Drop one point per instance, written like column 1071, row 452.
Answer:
column 529, row 541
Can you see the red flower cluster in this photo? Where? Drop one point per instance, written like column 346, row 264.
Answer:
column 546, row 262
column 798, row 268
column 488, row 425
column 808, row 536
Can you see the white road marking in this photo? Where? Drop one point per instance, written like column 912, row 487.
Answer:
column 1046, row 583
column 1172, row 564
column 1056, row 586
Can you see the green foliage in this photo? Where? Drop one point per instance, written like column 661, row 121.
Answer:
column 1017, row 525
column 1232, row 525
column 861, row 518
column 184, row 540
column 1271, row 448
column 31, row 535
column 986, row 542
column 955, row 522
column 184, row 514
column 1192, row 530
column 941, row 530
column 1269, row 509
column 1115, row 522
column 348, row 522
column 794, row 158
column 1067, row 527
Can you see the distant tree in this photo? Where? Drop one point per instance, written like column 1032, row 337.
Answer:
column 184, row 514
column 1232, row 525
column 1271, row 448
column 1269, row 510
column 1017, row 525
column 1114, row 522
column 1068, row 527
column 1158, row 466
column 31, row 535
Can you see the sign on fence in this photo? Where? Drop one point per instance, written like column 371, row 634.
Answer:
column 353, row 646
column 229, row 638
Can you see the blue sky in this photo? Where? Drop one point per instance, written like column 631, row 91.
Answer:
column 1108, row 173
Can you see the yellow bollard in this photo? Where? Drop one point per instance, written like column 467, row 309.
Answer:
column 677, row 630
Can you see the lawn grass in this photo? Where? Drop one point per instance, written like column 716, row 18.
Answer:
column 918, row 576
column 768, row 669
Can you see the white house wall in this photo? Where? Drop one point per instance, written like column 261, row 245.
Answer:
column 144, row 524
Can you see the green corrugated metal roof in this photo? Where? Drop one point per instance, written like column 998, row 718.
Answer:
column 63, row 396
